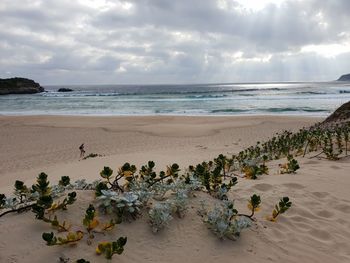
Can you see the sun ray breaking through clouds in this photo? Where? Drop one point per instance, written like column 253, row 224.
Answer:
column 163, row 41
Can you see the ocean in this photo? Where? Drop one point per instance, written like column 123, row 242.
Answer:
column 286, row 98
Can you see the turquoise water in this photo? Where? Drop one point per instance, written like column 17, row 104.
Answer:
column 309, row 99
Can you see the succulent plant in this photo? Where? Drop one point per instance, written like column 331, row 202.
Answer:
column 180, row 202
column 65, row 181
column 71, row 237
column 160, row 216
column 108, row 249
column 290, row 167
column 90, row 221
column 224, row 221
column 283, row 205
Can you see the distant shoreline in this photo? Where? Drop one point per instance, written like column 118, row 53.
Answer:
column 305, row 99
column 296, row 115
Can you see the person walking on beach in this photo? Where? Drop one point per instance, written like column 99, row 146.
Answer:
column 82, row 151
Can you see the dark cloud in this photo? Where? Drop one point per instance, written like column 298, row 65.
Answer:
column 157, row 41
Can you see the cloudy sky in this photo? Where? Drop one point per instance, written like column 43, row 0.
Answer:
column 174, row 41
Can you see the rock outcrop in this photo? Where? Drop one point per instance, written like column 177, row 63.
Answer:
column 64, row 90
column 19, row 86
column 342, row 114
column 344, row 78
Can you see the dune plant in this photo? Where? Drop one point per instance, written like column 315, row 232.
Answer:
column 69, row 200
column 90, row 223
column 44, row 208
column 224, row 163
column 126, row 172
column 172, row 173
column 106, row 174
column 252, row 170
column 124, row 205
column 39, row 195
column 21, row 191
column 90, row 220
column 2, row 201
column 82, row 184
column 290, row 167
column 180, row 202
column 346, row 132
column 70, row 238
column 224, row 221
column 283, row 205
column 160, row 216
column 253, row 206
column 64, row 181
column 108, row 249
column 211, row 177
column 147, row 172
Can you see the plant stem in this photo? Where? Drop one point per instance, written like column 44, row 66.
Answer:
column 317, row 155
column 18, row 210
column 307, row 144
column 158, row 180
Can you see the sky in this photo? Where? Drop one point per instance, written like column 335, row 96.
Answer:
column 61, row 42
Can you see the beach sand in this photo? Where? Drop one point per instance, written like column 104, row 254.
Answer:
column 315, row 229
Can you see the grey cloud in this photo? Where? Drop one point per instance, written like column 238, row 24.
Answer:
column 159, row 41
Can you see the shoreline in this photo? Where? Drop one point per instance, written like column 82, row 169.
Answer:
column 169, row 115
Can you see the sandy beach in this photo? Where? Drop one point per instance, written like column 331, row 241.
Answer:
column 316, row 229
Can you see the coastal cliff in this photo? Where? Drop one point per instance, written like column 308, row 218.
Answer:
column 19, row 86
column 344, row 78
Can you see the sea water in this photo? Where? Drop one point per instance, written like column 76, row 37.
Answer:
column 309, row 99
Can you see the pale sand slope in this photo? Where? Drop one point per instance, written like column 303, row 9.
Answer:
column 316, row 229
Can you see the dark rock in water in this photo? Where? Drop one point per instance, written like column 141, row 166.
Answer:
column 19, row 86
column 64, row 90
column 342, row 114
column 344, row 78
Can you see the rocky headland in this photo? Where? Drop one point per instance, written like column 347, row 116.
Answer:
column 345, row 77
column 19, row 86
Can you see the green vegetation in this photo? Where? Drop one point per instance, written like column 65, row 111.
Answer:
column 283, row 205
column 224, row 220
column 254, row 204
column 129, row 193
column 108, row 249
column 71, row 237
column 290, row 167
column 65, row 181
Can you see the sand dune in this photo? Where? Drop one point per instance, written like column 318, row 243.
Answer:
column 315, row 229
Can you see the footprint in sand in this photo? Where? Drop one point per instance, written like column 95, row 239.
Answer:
column 342, row 208
column 311, row 162
column 201, row 147
column 263, row 187
column 304, row 212
column 303, row 226
column 320, row 194
column 278, row 234
column 293, row 186
column 320, row 235
column 325, row 214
